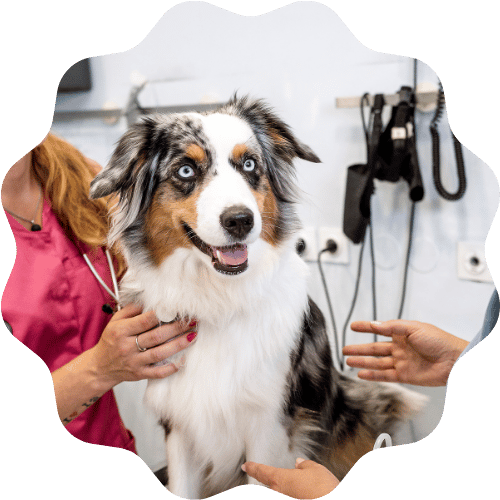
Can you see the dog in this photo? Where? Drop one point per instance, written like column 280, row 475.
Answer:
column 206, row 221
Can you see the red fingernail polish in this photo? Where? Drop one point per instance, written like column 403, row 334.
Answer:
column 193, row 323
column 190, row 337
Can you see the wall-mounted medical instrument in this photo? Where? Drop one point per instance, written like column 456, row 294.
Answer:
column 392, row 156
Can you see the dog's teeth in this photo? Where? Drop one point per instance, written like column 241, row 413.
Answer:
column 218, row 255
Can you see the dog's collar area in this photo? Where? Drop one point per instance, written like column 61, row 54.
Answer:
column 230, row 259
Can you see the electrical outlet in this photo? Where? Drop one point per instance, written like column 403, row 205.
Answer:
column 341, row 256
column 308, row 236
column 471, row 262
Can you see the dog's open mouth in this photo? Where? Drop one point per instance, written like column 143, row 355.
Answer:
column 231, row 259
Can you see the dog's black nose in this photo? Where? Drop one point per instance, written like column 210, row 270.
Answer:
column 237, row 221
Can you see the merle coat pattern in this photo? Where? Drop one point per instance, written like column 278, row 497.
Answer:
column 206, row 220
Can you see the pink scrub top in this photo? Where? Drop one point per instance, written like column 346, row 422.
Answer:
column 53, row 303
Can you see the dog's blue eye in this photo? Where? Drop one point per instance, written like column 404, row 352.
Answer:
column 186, row 172
column 249, row 165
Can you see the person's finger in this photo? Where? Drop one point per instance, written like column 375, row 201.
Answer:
column 165, row 333
column 137, row 324
column 370, row 363
column 379, row 376
column 162, row 352
column 302, row 463
column 157, row 372
column 373, row 349
column 362, row 326
column 263, row 473
column 386, row 328
column 128, row 311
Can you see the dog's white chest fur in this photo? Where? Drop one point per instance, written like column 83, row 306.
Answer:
column 225, row 378
column 248, row 325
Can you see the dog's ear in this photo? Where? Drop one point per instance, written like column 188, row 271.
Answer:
column 278, row 143
column 271, row 130
column 128, row 156
column 287, row 146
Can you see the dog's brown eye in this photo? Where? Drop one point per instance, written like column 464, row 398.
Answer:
column 186, row 172
column 249, row 165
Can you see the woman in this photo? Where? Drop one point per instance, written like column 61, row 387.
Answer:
column 56, row 306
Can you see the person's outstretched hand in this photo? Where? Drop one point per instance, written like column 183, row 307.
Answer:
column 419, row 354
column 308, row 480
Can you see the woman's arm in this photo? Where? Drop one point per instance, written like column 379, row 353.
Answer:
column 116, row 358
column 77, row 386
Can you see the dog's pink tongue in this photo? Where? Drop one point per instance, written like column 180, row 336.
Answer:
column 233, row 256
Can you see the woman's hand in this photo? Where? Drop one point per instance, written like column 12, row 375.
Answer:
column 308, row 480
column 117, row 357
column 419, row 354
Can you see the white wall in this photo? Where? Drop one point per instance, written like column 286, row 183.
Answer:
column 300, row 59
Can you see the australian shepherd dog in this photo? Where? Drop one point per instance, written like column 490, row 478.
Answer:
column 207, row 224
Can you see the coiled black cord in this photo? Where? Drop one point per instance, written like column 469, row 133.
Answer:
column 436, row 157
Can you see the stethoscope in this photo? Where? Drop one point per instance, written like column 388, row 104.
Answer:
column 116, row 293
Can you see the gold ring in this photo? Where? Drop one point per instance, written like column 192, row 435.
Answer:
column 141, row 349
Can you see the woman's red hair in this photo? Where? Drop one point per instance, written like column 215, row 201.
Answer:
column 65, row 176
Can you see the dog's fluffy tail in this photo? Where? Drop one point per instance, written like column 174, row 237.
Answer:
column 382, row 405
column 366, row 410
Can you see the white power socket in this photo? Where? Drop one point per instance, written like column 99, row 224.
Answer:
column 471, row 262
column 308, row 235
column 341, row 256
